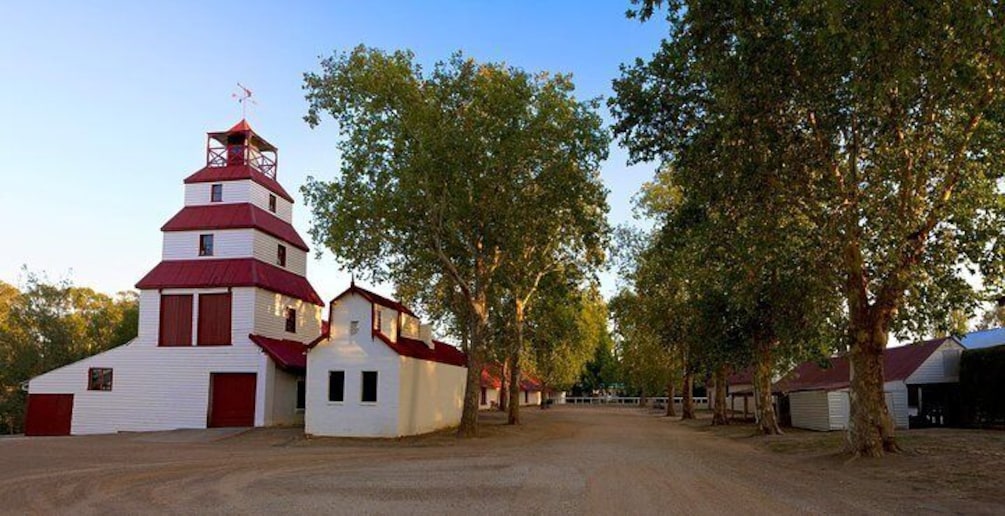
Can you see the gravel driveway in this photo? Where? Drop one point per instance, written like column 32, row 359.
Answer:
column 567, row 460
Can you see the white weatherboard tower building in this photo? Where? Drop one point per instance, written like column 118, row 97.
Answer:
column 224, row 318
column 379, row 373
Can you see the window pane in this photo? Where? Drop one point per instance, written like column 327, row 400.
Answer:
column 291, row 320
column 205, row 245
column 281, row 255
column 216, row 193
column 336, row 385
column 272, row 203
column 369, row 387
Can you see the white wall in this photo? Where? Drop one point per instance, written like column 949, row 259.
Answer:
column 352, row 354
column 810, row 410
column 227, row 243
column 260, row 197
column 431, row 396
column 198, row 194
column 831, row 410
column 943, row 366
column 265, row 245
column 270, row 317
column 491, row 396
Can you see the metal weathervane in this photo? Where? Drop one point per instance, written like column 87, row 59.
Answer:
column 243, row 97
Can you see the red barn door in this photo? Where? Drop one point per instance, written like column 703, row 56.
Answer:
column 48, row 414
column 232, row 399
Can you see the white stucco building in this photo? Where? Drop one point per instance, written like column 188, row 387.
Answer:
column 379, row 373
column 224, row 319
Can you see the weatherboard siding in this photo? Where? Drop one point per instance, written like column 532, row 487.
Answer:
column 227, row 243
column 265, row 249
column 259, row 196
column 199, row 194
column 270, row 317
column 942, row 366
column 810, row 410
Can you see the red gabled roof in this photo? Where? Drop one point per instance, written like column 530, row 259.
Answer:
column 289, row 355
column 374, row 298
column 898, row 364
column 236, row 272
column 491, row 374
column 235, row 173
column 442, row 352
column 234, row 216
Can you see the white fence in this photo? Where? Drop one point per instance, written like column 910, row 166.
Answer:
column 699, row 402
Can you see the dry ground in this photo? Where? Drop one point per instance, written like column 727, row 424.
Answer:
column 563, row 460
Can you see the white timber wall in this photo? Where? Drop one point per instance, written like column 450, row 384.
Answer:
column 431, row 396
column 270, row 317
column 227, row 243
column 353, row 354
column 265, row 249
column 942, row 366
column 810, row 410
column 199, row 194
column 281, row 396
column 830, row 410
column 259, row 196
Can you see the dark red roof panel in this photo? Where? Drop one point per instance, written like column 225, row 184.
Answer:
column 234, row 216
column 235, row 173
column 442, row 352
column 289, row 355
column 375, row 298
column 237, row 272
column 490, row 376
column 898, row 364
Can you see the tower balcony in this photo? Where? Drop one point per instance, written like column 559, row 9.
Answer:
column 241, row 146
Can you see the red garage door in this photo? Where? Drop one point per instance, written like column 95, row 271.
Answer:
column 232, row 399
column 48, row 414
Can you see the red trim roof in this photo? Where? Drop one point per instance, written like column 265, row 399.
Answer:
column 237, row 272
column 374, row 298
column 898, row 364
column 236, row 173
column 287, row 354
column 442, row 352
column 234, row 216
column 491, row 374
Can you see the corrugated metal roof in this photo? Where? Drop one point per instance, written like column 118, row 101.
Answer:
column 289, row 355
column 235, row 173
column 234, row 216
column 898, row 364
column 442, row 352
column 491, row 373
column 984, row 338
column 236, row 272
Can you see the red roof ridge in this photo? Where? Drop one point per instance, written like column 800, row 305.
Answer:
column 229, row 272
column 234, row 216
column 375, row 298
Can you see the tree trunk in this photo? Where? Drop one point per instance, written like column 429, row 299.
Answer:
column 544, row 399
column 472, row 392
column 719, row 416
column 767, row 421
column 642, row 398
column 671, row 392
column 504, row 385
column 870, row 427
column 513, row 412
column 687, row 404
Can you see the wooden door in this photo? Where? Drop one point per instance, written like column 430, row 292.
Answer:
column 48, row 414
column 232, row 399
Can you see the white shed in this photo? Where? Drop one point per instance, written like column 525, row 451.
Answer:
column 379, row 373
column 918, row 376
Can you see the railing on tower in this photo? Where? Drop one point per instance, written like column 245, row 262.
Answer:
column 228, row 155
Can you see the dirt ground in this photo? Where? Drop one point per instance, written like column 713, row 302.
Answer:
column 564, row 460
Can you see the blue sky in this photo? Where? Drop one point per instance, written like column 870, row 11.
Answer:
column 104, row 106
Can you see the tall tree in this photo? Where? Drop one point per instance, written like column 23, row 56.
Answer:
column 437, row 168
column 883, row 122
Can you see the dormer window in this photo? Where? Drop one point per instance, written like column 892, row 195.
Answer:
column 281, row 255
column 272, row 203
column 205, row 245
column 216, row 193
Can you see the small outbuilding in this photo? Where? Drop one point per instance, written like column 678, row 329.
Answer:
column 491, row 383
column 379, row 373
column 921, row 387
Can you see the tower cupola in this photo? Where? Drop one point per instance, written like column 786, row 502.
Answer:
column 240, row 146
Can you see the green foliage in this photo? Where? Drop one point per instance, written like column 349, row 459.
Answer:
column 47, row 325
column 982, row 382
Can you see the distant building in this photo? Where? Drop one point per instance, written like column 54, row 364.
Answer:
column 224, row 318
column 984, row 338
column 491, row 382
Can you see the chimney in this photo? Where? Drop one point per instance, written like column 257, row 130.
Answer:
column 426, row 335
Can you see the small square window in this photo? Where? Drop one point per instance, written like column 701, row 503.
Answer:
column 336, row 386
column 216, row 193
column 99, row 379
column 353, row 327
column 281, row 255
column 291, row 320
column 272, row 203
column 205, row 245
column 369, row 394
